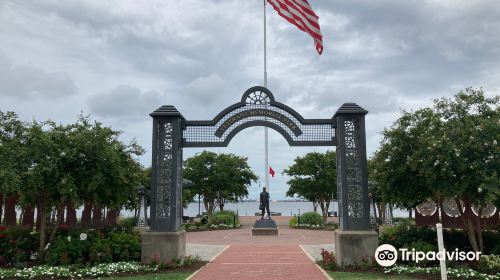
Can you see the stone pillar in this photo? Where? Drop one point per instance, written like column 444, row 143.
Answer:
column 165, row 238
column 354, row 238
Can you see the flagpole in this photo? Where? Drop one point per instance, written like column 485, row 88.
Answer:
column 265, row 85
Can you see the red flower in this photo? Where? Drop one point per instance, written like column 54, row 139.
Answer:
column 13, row 241
column 2, row 235
column 2, row 228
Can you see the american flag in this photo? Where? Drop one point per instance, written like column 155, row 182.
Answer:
column 300, row 14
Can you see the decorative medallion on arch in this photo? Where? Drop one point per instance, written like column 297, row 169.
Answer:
column 259, row 108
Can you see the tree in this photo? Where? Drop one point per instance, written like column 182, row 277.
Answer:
column 12, row 133
column 447, row 151
column 314, row 177
column 104, row 169
column 219, row 178
column 45, row 180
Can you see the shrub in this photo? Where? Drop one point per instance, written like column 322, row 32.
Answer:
column 402, row 235
column 292, row 222
column 68, row 250
column 328, row 260
column 311, row 218
column 489, row 264
column 100, row 251
column 125, row 246
column 17, row 245
column 223, row 217
column 128, row 222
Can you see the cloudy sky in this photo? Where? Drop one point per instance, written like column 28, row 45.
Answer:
column 120, row 60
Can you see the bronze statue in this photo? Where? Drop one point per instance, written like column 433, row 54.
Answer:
column 264, row 203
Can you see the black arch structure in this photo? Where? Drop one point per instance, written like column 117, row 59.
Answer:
column 197, row 133
column 258, row 107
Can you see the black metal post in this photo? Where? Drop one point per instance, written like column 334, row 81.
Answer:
column 352, row 171
column 166, row 188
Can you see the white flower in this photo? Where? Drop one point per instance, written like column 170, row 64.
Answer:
column 83, row 236
column 479, row 189
column 69, row 238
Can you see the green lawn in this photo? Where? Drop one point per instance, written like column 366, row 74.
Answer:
column 156, row 276
column 337, row 275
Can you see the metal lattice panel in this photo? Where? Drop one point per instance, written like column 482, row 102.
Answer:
column 353, row 172
column 164, row 169
column 258, row 108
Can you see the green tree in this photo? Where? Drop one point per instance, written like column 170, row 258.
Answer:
column 45, row 180
column 447, row 151
column 12, row 135
column 314, row 177
column 104, row 168
column 219, row 178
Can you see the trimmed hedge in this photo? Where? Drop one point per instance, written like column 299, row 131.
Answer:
column 311, row 218
column 223, row 217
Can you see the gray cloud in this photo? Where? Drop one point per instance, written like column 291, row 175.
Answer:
column 124, row 103
column 200, row 56
column 23, row 81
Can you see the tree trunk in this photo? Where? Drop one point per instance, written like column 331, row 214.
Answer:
column 43, row 227
column 2, row 198
column 209, row 206
column 410, row 214
column 59, row 220
column 478, row 230
column 86, row 215
column 112, row 217
column 10, row 210
column 467, row 221
column 315, row 206
column 96, row 216
column 70, row 215
column 28, row 217
column 324, row 210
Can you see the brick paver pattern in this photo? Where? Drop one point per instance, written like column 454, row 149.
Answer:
column 262, row 262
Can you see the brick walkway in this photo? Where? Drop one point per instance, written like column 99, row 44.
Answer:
column 262, row 262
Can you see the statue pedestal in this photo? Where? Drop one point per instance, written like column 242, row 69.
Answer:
column 264, row 227
column 351, row 246
column 162, row 245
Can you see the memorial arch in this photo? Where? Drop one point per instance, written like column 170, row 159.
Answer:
column 257, row 107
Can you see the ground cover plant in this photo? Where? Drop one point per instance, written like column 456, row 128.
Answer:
column 179, row 265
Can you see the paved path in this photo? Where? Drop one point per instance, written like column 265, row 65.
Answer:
column 262, row 262
column 241, row 236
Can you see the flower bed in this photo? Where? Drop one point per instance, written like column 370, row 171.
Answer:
column 458, row 273
column 105, row 269
column 101, row 270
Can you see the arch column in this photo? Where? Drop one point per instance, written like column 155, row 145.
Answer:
column 354, row 239
column 165, row 239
